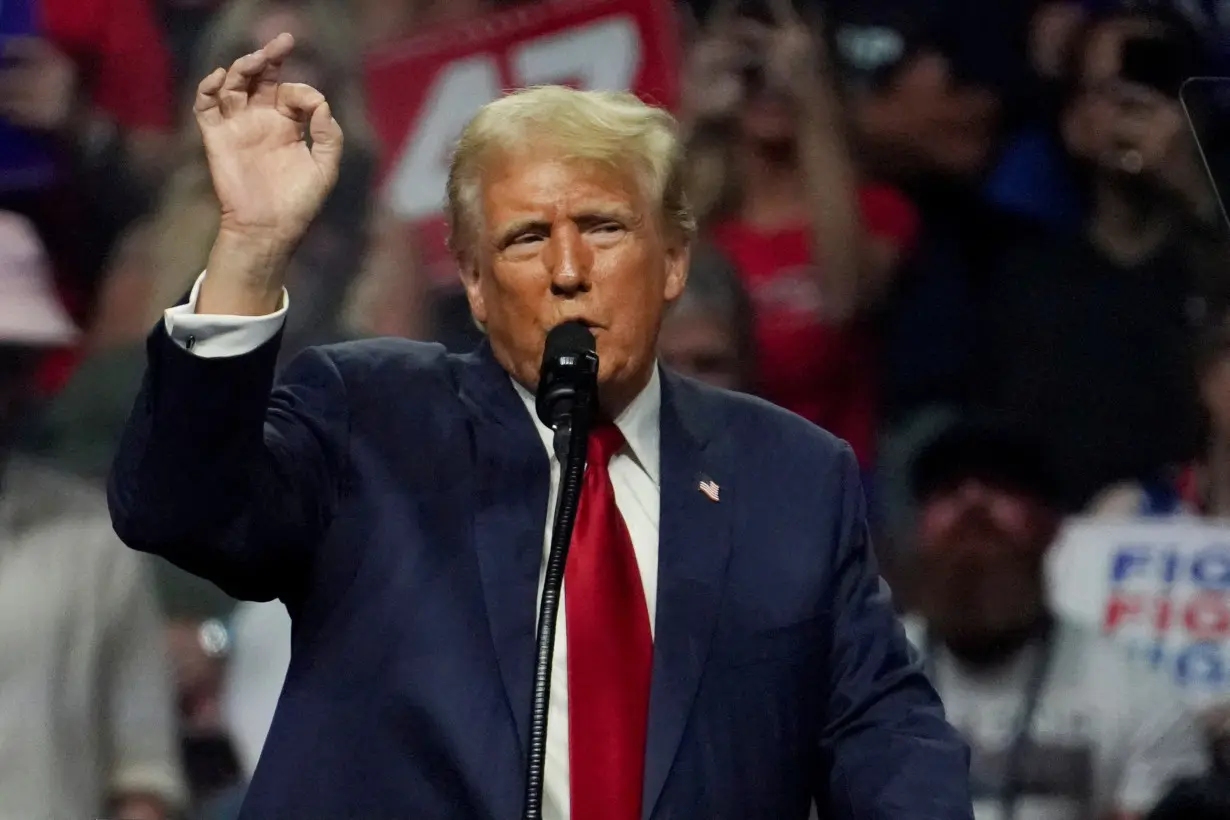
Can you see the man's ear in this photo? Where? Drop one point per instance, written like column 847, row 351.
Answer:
column 678, row 258
column 471, row 280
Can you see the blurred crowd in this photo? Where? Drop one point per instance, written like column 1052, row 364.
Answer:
column 977, row 240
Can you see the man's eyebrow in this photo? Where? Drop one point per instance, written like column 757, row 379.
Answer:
column 515, row 226
column 595, row 212
column 605, row 210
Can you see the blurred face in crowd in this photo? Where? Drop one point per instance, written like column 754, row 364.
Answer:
column 567, row 239
column 1103, row 105
column 766, row 116
column 922, row 120
column 981, row 549
column 700, row 344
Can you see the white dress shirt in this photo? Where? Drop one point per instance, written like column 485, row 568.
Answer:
column 634, row 475
column 255, row 672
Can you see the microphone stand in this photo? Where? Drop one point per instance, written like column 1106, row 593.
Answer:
column 571, row 442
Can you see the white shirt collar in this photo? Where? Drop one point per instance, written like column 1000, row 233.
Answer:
column 638, row 423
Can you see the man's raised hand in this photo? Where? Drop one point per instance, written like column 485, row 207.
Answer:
column 270, row 184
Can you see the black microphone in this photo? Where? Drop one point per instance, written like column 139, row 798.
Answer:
column 569, row 374
column 565, row 401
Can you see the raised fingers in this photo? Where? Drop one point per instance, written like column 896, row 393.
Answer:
column 276, row 50
column 308, row 106
column 237, row 84
column 298, row 101
column 206, row 103
column 251, row 78
column 326, row 140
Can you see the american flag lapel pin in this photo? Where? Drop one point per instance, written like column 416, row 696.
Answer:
column 709, row 487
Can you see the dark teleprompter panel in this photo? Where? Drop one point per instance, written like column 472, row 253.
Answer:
column 1206, row 102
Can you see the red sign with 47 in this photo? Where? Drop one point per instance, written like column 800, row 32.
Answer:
column 422, row 91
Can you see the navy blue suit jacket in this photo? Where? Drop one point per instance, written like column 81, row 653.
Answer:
column 394, row 497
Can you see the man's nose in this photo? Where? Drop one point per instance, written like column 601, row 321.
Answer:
column 569, row 260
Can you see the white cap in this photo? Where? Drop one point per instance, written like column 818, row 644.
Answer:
column 31, row 313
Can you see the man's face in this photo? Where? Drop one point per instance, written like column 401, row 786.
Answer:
column 572, row 240
column 980, row 552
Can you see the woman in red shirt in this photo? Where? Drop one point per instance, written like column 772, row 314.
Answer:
column 776, row 190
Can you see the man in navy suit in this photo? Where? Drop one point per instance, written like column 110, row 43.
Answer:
column 726, row 647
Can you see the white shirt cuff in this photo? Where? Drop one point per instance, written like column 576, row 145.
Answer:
column 214, row 336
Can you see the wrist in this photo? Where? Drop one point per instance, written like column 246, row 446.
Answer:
column 260, row 255
column 245, row 275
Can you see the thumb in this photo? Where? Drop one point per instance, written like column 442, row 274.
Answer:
column 327, row 140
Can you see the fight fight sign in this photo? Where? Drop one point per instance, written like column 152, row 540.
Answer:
column 1159, row 586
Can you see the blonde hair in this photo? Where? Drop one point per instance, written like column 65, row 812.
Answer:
column 183, row 227
column 614, row 128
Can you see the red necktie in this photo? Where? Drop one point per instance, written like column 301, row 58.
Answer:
column 610, row 651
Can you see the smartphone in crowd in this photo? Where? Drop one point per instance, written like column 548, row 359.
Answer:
column 26, row 158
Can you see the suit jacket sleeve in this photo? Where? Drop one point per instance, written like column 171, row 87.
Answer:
column 224, row 474
column 889, row 752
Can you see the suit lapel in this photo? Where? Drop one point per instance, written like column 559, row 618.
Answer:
column 693, row 548
column 513, row 478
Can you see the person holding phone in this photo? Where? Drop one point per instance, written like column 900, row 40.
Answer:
column 1088, row 333
column 1151, row 137
column 779, row 193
